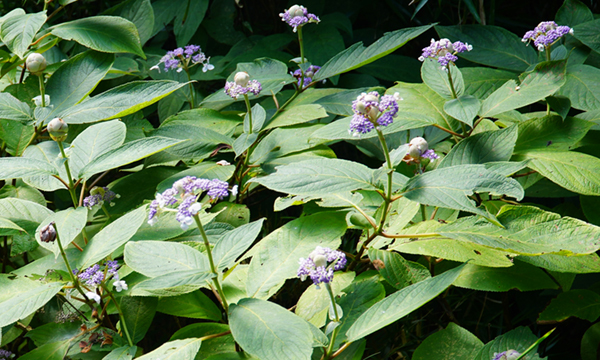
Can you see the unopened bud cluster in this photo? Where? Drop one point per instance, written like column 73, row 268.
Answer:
column 242, row 85
column 444, row 51
column 370, row 110
column 418, row 148
column 546, row 34
column 36, row 64
column 297, row 15
column 58, row 129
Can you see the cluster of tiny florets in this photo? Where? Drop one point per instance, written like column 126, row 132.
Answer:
column 546, row 34
column 444, row 51
column 99, row 196
column 5, row 354
column 95, row 275
column 419, row 148
column 242, row 85
column 507, row 355
column 316, row 266
column 185, row 191
column 185, row 57
column 297, row 15
column 370, row 110
column 308, row 75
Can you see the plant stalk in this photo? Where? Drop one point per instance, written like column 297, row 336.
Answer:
column 337, row 319
column 121, row 316
column 68, row 169
column 42, row 89
column 247, row 101
column 192, row 99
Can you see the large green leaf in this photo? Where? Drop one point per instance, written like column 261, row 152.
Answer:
column 140, row 13
column 75, row 79
column 185, row 26
column 464, row 108
column 401, row 303
column 50, row 351
column 138, row 313
column 450, row 187
column 112, row 34
column 581, row 303
column 112, row 237
column 18, row 31
column 18, row 167
column 452, row 343
column 120, row 101
column 173, row 283
column 544, row 80
column 314, row 303
column 572, row 170
column 492, row 45
column 551, row 133
column 68, row 224
column 215, row 347
column 437, row 79
column 587, row 33
column 155, row 258
column 25, row 303
column 19, row 211
column 203, row 141
column 8, row 227
column 573, row 12
column 397, row 271
column 126, row 154
column 521, row 276
column 194, row 305
column 280, row 333
column 175, row 350
column 276, row 256
column 519, row 339
column 322, row 176
column 16, row 135
column 480, row 82
column 297, row 115
column 357, row 55
column 12, row 108
column 482, row 148
column 95, row 141
column 123, row 353
column 49, row 152
column 582, row 87
column 233, row 244
column 284, row 141
column 565, row 264
column 340, row 103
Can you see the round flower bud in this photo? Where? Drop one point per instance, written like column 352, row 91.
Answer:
column 320, row 260
column 58, row 129
column 417, row 147
column 36, row 63
column 373, row 113
column 241, row 78
column 370, row 97
column 361, row 108
column 48, row 233
column 296, row 10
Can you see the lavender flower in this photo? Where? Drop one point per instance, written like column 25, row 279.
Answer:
column 242, row 85
column 546, row 34
column 315, row 266
column 506, row 355
column 444, row 51
column 308, row 75
column 185, row 191
column 93, row 276
column 370, row 111
column 184, row 58
column 99, row 196
column 5, row 355
column 297, row 15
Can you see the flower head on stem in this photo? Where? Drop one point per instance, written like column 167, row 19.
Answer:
column 242, row 85
column 546, row 34
column 99, row 196
column 444, row 51
column 183, row 59
column 371, row 110
column 418, row 148
column 308, row 75
column 297, row 16
column 316, row 265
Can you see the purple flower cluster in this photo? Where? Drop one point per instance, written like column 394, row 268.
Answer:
column 99, row 196
column 185, row 57
column 546, row 34
column 444, row 51
column 370, row 110
column 297, row 15
column 187, row 190
column 310, row 72
column 506, row 355
column 93, row 276
column 234, row 90
column 5, row 354
column 419, row 148
column 315, row 266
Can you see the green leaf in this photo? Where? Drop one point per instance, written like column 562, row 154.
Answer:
column 68, row 224
column 259, row 115
column 16, row 135
column 452, row 343
column 357, row 55
column 123, row 353
column 283, row 141
column 572, row 170
column 175, row 350
column 581, row 303
column 582, row 87
column 521, row 276
column 400, row 304
column 560, row 104
column 112, row 237
column 551, row 133
column 49, row 152
column 18, row 31
column 25, row 303
column 126, row 154
column 51, row 351
column 282, row 334
column 314, row 303
column 234, row 243
column 482, row 148
column 319, row 177
column 587, row 33
column 480, row 82
column 464, row 108
column 340, row 103
column 95, row 141
column 194, row 305
column 188, row 20
column 519, row 339
column 140, row 13
column 492, row 45
column 233, row 214
column 450, row 187
column 573, row 12
column 8, row 227
column 53, row 332
column 155, row 258
column 544, row 80
column 437, row 79
column 585, row 264
column 173, row 283
column 75, row 79
column 203, row 141
column 138, row 313
column 243, row 142
column 590, row 342
column 120, row 101
column 297, row 115
column 18, row 167
column 22, row 212
column 111, row 34
column 397, row 271
column 12, row 108
column 276, row 256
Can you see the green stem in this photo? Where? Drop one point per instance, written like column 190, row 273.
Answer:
column 192, row 100
column 535, row 344
column 213, row 268
column 247, row 101
column 123, row 322
column 548, row 58
column 42, row 88
column 337, row 319
column 71, row 184
column 388, row 197
column 451, row 83
column 301, row 43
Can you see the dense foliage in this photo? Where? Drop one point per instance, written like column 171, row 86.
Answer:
column 218, row 180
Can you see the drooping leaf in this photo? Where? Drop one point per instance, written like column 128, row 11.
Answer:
column 259, row 115
column 155, row 258
column 138, row 313
column 234, row 243
column 50, row 351
column 243, row 142
column 437, row 79
column 68, row 224
column 18, row 31
column 464, row 108
column 550, row 133
column 112, row 34
column 25, row 303
column 452, row 343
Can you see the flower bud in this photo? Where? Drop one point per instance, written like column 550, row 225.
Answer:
column 241, row 78
column 320, row 260
column 38, row 100
column 58, row 129
column 360, row 107
column 296, row 10
column 48, row 233
column 370, row 97
column 417, row 147
column 36, row 63
column 97, row 190
column 373, row 113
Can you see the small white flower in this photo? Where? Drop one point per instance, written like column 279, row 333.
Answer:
column 223, row 163
column 234, row 190
column 194, row 208
column 120, row 285
column 93, row 296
